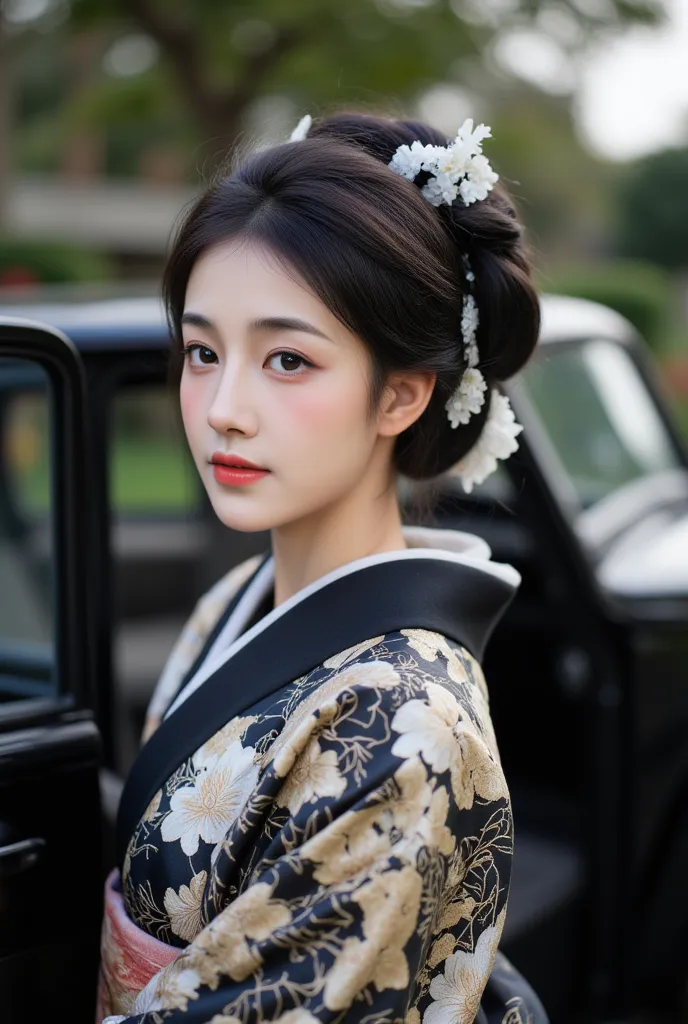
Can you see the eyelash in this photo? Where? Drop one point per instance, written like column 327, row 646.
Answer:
column 195, row 346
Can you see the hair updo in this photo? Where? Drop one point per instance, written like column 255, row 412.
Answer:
column 384, row 261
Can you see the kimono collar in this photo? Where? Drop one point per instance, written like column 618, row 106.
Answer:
column 424, row 544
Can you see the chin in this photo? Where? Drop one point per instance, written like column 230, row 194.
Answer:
column 244, row 520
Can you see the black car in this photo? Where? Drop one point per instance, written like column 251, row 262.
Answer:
column 106, row 541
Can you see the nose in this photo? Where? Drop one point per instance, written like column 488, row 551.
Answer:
column 232, row 407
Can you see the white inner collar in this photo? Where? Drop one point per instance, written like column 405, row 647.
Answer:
column 424, row 543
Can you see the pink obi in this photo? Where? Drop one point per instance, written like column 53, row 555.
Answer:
column 129, row 956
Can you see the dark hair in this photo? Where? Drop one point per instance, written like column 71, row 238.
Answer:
column 385, row 261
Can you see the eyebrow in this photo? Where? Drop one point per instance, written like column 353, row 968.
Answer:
column 266, row 323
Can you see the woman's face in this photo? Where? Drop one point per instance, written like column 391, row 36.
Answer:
column 271, row 376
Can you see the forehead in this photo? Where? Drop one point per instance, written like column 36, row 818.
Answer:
column 240, row 276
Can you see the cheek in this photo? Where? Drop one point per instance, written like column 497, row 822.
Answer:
column 329, row 410
column 191, row 406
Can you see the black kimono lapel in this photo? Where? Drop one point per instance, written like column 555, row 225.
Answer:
column 458, row 600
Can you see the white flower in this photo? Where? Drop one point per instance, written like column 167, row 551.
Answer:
column 440, row 189
column 468, row 398
column 428, row 728
column 206, row 809
column 471, row 353
column 302, row 129
column 459, row 168
column 453, row 161
column 481, row 172
column 456, row 995
column 497, row 441
column 469, row 319
column 473, row 137
column 409, row 161
column 479, row 180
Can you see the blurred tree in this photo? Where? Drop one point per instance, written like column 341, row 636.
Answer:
column 219, row 58
column 5, row 111
column 653, row 209
column 562, row 190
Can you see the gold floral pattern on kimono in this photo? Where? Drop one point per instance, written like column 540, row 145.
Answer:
column 340, row 852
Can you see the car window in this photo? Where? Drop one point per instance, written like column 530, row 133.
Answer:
column 26, row 533
column 150, row 466
column 599, row 416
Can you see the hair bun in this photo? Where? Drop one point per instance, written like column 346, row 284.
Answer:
column 488, row 231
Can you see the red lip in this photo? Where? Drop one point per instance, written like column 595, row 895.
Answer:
column 233, row 471
column 235, row 462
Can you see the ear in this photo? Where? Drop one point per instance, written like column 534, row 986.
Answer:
column 403, row 401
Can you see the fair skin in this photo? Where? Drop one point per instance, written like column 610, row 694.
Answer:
column 271, row 375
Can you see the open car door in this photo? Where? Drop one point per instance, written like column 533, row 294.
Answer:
column 51, row 865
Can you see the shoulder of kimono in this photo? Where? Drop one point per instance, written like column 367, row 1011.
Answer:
column 430, row 649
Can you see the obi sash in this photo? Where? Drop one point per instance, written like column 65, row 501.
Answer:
column 130, row 957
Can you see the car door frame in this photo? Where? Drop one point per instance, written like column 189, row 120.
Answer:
column 51, row 744
column 72, row 514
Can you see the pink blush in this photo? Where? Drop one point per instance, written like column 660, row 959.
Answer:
column 320, row 407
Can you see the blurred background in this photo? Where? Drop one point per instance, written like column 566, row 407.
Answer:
column 114, row 112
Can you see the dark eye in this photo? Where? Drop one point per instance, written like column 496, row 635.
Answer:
column 205, row 355
column 287, row 362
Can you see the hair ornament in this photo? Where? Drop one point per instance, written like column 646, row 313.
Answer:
column 301, row 131
column 457, row 169
column 460, row 169
column 497, row 440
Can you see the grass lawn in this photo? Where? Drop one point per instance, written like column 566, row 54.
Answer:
column 153, row 476
column 148, row 476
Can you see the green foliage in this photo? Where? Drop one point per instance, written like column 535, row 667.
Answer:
column 653, row 209
column 680, row 410
column 222, row 65
column 639, row 291
column 217, row 58
column 29, row 262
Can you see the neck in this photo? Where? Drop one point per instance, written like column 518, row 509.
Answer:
column 363, row 523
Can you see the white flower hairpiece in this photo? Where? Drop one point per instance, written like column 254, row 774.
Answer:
column 457, row 169
column 497, row 441
column 460, row 169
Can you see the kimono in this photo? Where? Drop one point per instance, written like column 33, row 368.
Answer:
column 317, row 827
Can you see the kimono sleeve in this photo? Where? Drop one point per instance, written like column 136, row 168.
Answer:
column 380, row 890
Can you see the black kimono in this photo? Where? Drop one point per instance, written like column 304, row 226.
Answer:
column 318, row 827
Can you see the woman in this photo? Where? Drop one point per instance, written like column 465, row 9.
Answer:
column 318, row 827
